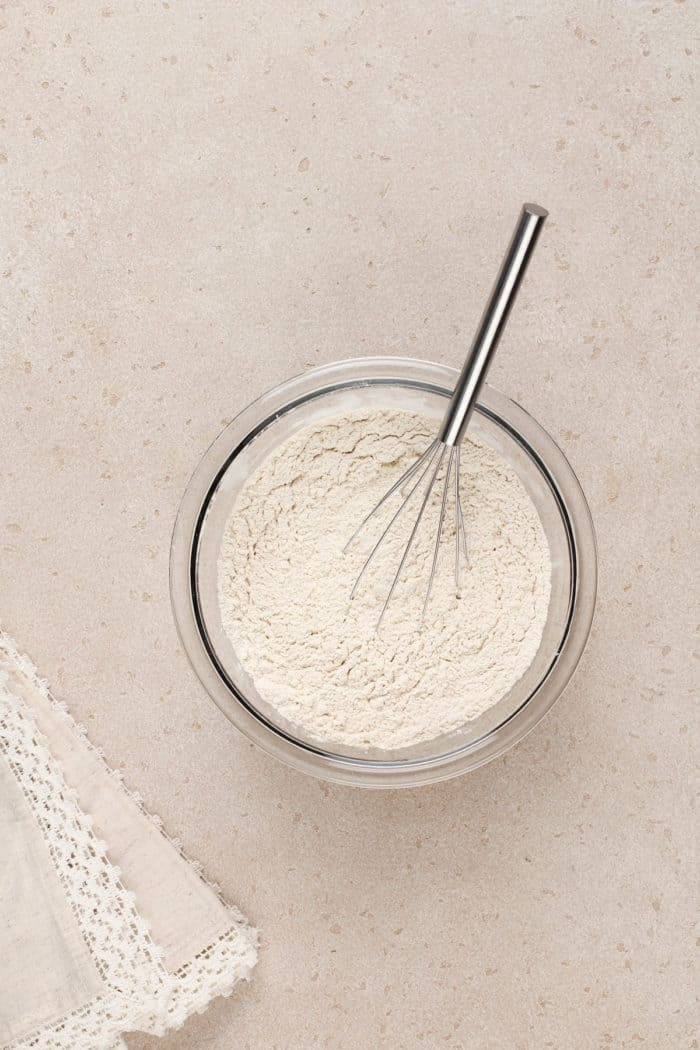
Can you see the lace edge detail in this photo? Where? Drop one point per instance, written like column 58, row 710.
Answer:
column 216, row 969
column 128, row 962
column 24, row 664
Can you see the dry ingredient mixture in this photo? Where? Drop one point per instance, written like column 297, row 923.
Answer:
column 284, row 586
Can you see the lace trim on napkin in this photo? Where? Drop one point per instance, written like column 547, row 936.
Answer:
column 141, row 995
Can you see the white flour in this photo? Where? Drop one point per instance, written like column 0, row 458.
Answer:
column 284, row 587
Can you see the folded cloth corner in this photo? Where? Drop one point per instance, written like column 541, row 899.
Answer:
column 106, row 927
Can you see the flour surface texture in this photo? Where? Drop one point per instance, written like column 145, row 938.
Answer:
column 284, row 586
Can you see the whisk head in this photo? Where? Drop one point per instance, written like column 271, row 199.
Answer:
column 420, row 479
column 422, row 475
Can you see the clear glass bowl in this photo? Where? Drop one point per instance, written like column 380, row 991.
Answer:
column 320, row 394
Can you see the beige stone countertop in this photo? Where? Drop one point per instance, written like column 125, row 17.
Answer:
column 202, row 199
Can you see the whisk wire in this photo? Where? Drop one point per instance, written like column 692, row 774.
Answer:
column 414, row 530
column 438, row 537
column 432, row 450
column 460, row 514
column 427, row 462
column 405, row 477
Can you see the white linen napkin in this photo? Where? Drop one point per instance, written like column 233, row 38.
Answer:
column 105, row 926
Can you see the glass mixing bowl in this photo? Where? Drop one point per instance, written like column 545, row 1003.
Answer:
column 318, row 395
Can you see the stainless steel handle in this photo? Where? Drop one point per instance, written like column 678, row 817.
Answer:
column 492, row 324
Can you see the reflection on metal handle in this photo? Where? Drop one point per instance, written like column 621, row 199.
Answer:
column 492, row 324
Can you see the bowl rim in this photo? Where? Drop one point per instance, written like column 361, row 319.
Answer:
column 316, row 382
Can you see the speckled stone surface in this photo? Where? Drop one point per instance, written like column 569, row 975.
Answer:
column 201, row 199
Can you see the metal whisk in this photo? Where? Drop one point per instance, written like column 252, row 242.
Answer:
column 462, row 403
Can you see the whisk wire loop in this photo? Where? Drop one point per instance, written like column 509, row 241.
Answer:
column 403, row 480
column 430, row 453
column 411, row 538
column 438, row 537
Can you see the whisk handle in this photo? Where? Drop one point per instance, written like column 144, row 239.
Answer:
column 492, row 323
